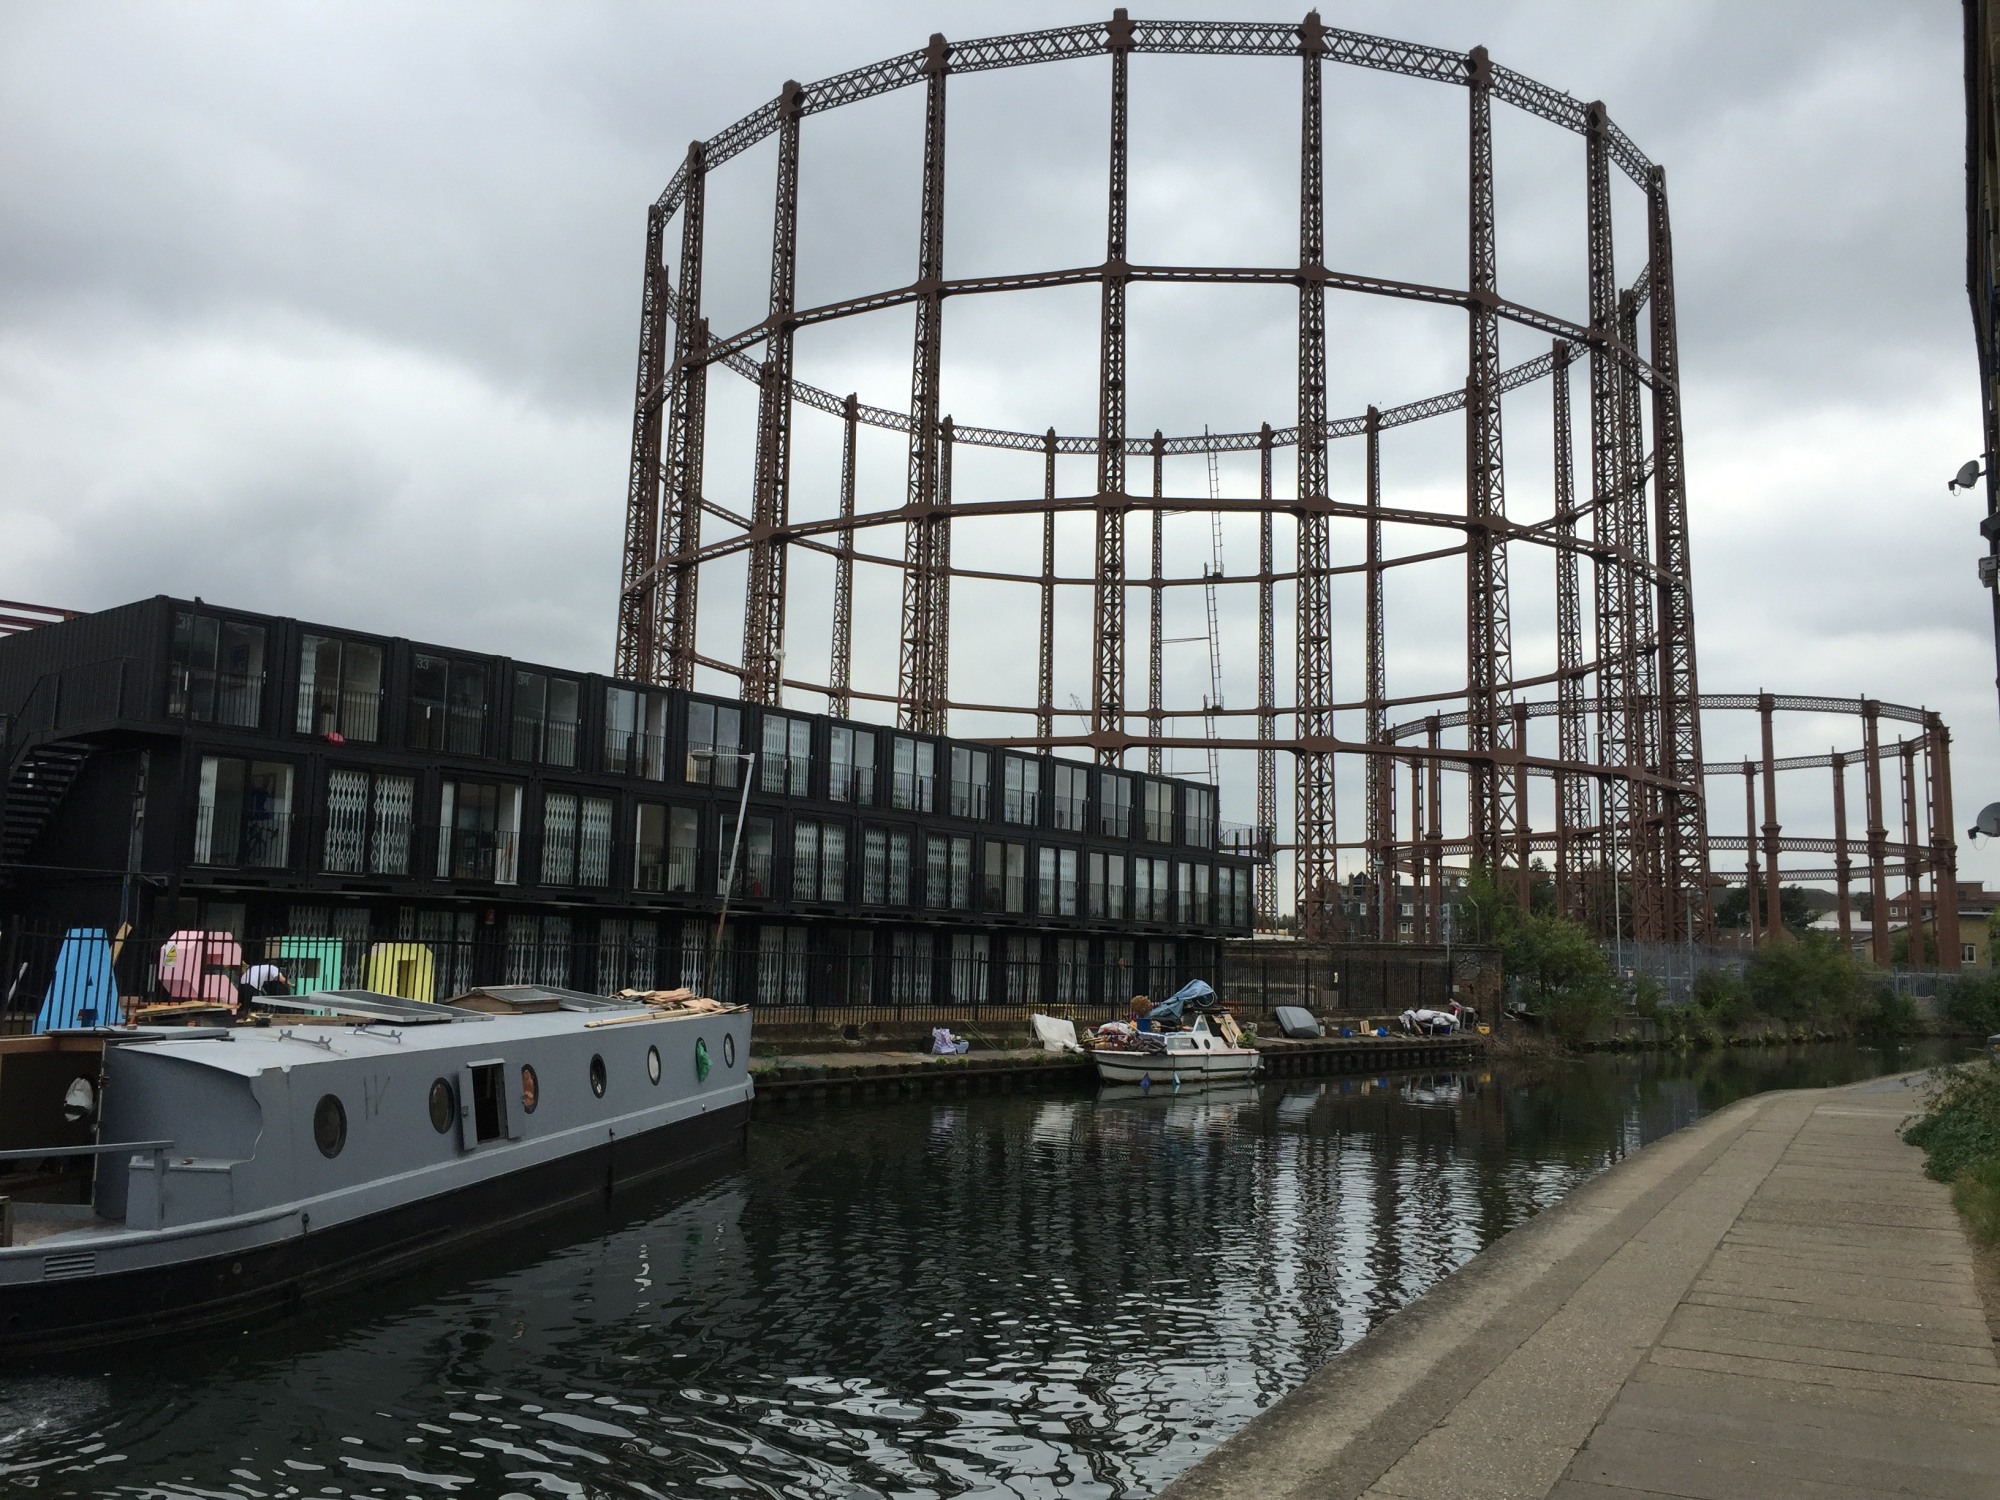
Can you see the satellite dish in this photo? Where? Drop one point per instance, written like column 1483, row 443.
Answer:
column 1988, row 821
column 1966, row 475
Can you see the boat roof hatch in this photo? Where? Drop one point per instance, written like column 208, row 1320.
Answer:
column 528, row 998
column 368, row 1005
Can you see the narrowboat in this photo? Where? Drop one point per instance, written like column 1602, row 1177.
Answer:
column 163, row 1178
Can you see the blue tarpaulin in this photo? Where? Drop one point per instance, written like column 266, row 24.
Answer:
column 1170, row 1008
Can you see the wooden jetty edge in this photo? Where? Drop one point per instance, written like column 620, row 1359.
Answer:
column 1772, row 1302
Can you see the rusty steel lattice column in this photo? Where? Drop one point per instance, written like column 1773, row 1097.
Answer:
column 1843, row 867
column 1642, row 712
column 1434, row 835
column 1156, row 618
column 770, row 506
column 1045, row 671
column 1913, row 868
column 926, row 587
column 840, row 677
column 1315, row 833
column 1750, row 885
column 638, row 594
column 1944, row 848
column 1774, row 917
column 1685, row 829
column 1878, row 834
column 1107, row 688
column 1614, row 620
column 1419, row 904
column 1572, row 727
column 1267, row 697
column 1380, row 771
column 678, row 579
column 940, row 651
column 1495, row 816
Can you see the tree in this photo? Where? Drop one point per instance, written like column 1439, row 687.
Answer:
column 1734, row 909
column 1562, row 972
column 1814, row 979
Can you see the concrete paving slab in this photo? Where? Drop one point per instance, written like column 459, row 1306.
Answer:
column 1779, row 1305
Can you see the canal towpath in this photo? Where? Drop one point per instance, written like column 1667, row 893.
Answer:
column 1773, row 1302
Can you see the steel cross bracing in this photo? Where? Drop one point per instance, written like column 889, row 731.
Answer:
column 1107, row 690
column 925, row 601
column 1314, row 830
column 764, row 599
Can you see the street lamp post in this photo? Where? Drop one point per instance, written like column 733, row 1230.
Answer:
column 749, row 759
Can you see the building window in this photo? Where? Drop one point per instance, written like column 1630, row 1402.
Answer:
column 1158, row 805
column 1023, row 979
column 1121, row 975
column 787, row 761
column 340, row 688
column 665, row 845
column 969, row 962
column 479, row 832
column 851, row 766
column 546, row 719
column 1204, row 908
column 538, row 951
column 244, row 815
column 216, row 671
column 368, row 822
column 781, row 965
column 576, row 840
column 1184, row 893
column 1968, row 953
column 899, row 868
column 971, row 782
column 714, row 743
column 1107, row 886
column 1200, row 822
column 819, row 861
column 1072, row 971
column 1114, row 804
column 910, row 957
column 1151, row 890
column 1021, row 798
column 1006, row 877
column 913, row 779
column 1072, row 804
column 753, row 854
column 447, row 705
column 1065, row 904
column 635, row 733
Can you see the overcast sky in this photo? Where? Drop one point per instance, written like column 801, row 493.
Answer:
column 331, row 310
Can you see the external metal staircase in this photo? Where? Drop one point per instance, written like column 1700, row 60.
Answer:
column 37, row 782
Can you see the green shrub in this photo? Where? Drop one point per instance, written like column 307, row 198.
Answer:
column 1976, row 1191
column 1890, row 1014
column 1721, row 997
column 1972, row 1004
column 1813, row 979
column 1960, row 1125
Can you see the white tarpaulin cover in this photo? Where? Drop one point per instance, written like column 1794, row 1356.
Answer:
column 1056, row 1035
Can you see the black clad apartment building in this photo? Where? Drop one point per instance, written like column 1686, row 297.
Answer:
column 172, row 765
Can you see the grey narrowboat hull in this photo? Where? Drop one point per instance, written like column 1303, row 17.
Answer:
column 251, row 1283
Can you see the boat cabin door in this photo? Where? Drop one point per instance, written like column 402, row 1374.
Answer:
column 482, row 1104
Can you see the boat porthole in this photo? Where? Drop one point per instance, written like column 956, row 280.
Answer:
column 597, row 1075
column 531, row 1089
column 444, row 1109
column 700, row 1060
column 329, row 1126
column 728, row 1050
column 653, row 1063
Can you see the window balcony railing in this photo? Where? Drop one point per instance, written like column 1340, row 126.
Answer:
column 211, row 697
column 477, row 854
column 1244, row 838
column 632, row 753
column 1070, row 812
column 854, row 784
column 548, row 742
column 457, row 731
column 667, row 870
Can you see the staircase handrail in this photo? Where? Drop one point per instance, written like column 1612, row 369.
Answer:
column 49, row 712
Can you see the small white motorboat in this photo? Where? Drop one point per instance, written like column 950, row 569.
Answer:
column 1195, row 1055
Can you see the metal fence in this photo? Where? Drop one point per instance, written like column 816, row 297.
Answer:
column 1674, row 967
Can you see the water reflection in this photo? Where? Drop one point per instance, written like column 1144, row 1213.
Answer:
column 1006, row 1296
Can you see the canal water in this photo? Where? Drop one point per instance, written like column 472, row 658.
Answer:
column 1034, row 1295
